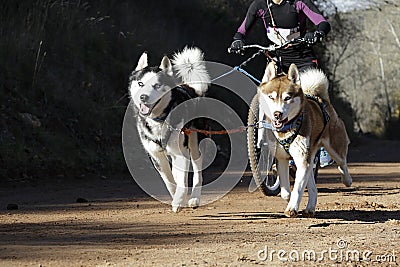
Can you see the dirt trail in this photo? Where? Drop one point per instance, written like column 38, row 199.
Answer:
column 120, row 226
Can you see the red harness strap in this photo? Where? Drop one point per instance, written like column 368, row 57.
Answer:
column 188, row 131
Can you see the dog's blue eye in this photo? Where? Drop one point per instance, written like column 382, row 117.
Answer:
column 288, row 98
column 157, row 86
column 140, row 84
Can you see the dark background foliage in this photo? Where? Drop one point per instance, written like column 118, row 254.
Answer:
column 64, row 68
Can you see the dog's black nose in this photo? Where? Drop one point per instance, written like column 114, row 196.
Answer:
column 144, row 98
column 278, row 115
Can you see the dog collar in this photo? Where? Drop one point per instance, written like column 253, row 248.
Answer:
column 294, row 127
column 181, row 89
column 287, row 127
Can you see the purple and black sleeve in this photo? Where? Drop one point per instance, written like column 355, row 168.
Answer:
column 308, row 8
column 305, row 9
column 248, row 22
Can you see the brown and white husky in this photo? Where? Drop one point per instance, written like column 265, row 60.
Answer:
column 301, row 101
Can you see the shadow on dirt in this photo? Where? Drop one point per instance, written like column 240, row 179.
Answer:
column 361, row 191
column 371, row 216
column 353, row 216
column 242, row 216
column 64, row 233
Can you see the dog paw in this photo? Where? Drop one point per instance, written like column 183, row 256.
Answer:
column 176, row 209
column 291, row 213
column 194, row 203
column 347, row 182
column 308, row 213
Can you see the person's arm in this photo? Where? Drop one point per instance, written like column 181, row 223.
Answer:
column 311, row 11
column 249, row 20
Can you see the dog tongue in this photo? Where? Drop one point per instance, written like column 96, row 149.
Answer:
column 144, row 109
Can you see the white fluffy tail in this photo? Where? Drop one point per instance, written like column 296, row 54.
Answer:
column 314, row 82
column 191, row 69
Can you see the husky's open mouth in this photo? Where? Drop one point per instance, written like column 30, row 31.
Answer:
column 145, row 109
column 278, row 124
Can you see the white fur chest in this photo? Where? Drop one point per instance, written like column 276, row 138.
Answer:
column 160, row 136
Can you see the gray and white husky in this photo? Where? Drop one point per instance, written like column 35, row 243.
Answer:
column 156, row 92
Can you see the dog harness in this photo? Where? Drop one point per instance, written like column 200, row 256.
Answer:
column 181, row 89
column 295, row 129
column 295, row 126
column 180, row 93
column 322, row 106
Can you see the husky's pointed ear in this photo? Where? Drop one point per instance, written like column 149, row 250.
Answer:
column 143, row 62
column 166, row 65
column 270, row 72
column 293, row 74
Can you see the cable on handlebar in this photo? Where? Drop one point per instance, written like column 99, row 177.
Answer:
column 270, row 48
column 275, row 47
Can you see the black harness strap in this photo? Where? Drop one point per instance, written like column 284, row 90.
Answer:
column 186, row 93
column 285, row 143
column 322, row 106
